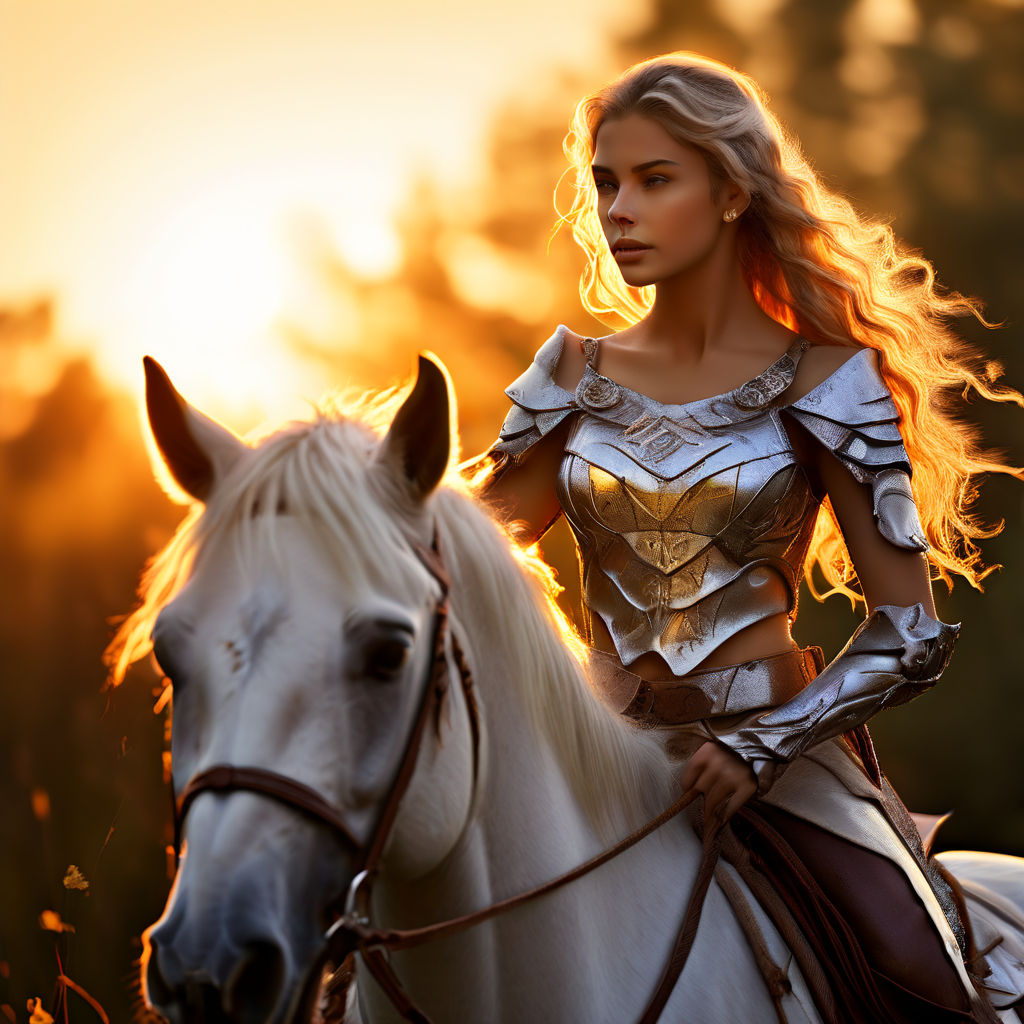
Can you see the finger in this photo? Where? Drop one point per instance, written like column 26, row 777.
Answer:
column 715, row 819
column 731, row 806
column 696, row 788
column 745, row 791
column 692, row 775
column 689, row 795
column 716, row 798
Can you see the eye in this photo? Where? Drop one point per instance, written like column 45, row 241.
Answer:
column 385, row 657
column 655, row 179
column 378, row 643
column 604, row 186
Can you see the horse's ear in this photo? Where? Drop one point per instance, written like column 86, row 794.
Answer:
column 419, row 441
column 196, row 450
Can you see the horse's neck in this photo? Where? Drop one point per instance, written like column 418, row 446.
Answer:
column 527, row 824
column 528, row 827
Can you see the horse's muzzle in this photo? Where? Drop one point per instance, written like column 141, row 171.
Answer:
column 242, row 981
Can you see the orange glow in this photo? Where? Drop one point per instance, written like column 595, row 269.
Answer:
column 40, row 804
column 39, row 1015
column 51, row 921
column 153, row 183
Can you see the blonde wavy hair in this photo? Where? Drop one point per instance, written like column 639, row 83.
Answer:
column 814, row 264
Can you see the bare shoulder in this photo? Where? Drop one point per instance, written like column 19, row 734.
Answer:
column 817, row 364
column 571, row 362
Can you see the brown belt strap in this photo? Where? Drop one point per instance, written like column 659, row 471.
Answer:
column 392, row 987
column 227, row 777
column 775, row 977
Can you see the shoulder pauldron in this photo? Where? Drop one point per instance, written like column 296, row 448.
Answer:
column 538, row 403
column 852, row 413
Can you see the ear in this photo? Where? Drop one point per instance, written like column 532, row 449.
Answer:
column 734, row 197
column 196, row 450
column 419, row 441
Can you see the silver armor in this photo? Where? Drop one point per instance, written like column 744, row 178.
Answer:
column 893, row 656
column 688, row 516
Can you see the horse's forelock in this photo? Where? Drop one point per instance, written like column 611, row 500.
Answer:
column 322, row 471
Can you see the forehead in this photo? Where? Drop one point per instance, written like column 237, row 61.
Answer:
column 624, row 142
column 331, row 562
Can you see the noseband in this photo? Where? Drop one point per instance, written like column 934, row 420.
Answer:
column 351, row 929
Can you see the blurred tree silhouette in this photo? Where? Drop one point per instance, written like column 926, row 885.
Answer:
column 80, row 772
column 912, row 109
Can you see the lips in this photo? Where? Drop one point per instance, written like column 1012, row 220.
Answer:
column 626, row 245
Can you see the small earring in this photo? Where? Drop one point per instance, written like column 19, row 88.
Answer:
column 730, row 215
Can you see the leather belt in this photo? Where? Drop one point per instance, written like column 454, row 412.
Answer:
column 728, row 690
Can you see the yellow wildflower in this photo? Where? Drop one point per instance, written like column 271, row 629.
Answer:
column 74, row 879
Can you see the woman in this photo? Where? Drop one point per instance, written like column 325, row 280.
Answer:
column 823, row 347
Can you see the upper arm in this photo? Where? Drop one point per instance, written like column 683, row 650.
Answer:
column 523, row 492
column 888, row 574
column 869, row 496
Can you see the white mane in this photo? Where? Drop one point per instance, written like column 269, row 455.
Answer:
column 608, row 762
column 324, row 472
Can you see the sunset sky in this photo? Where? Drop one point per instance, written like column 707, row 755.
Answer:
column 160, row 159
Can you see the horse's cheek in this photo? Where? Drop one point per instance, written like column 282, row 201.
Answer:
column 435, row 809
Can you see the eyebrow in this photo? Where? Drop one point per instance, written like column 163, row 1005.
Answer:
column 640, row 168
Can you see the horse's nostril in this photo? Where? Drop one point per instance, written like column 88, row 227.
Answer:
column 202, row 1002
column 254, row 988
column 191, row 997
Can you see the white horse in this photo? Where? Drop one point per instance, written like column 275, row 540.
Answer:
column 294, row 613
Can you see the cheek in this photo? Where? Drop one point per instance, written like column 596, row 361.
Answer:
column 188, row 734
column 689, row 219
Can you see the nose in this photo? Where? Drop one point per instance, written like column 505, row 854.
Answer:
column 621, row 210
column 232, row 986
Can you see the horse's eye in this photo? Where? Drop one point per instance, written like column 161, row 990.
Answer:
column 385, row 658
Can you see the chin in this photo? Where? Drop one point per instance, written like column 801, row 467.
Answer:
column 637, row 278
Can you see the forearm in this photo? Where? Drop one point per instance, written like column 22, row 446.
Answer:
column 895, row 655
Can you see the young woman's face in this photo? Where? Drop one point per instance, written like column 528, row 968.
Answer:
column 654, row 200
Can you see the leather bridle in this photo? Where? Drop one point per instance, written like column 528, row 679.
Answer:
column 351, row 929
column 222, row 778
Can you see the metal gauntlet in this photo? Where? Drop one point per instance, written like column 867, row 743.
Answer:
column 895, row 655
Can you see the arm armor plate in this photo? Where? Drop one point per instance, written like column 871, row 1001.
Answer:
column 895, row 655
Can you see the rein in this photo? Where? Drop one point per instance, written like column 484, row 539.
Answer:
column 351, row 930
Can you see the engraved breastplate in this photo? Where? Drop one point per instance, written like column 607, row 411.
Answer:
column 682, row 511
column 693, row 521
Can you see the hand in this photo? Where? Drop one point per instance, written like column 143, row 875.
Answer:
column 726, row 781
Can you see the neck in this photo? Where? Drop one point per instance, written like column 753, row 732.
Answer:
column 705, row 308
column 533, row 963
